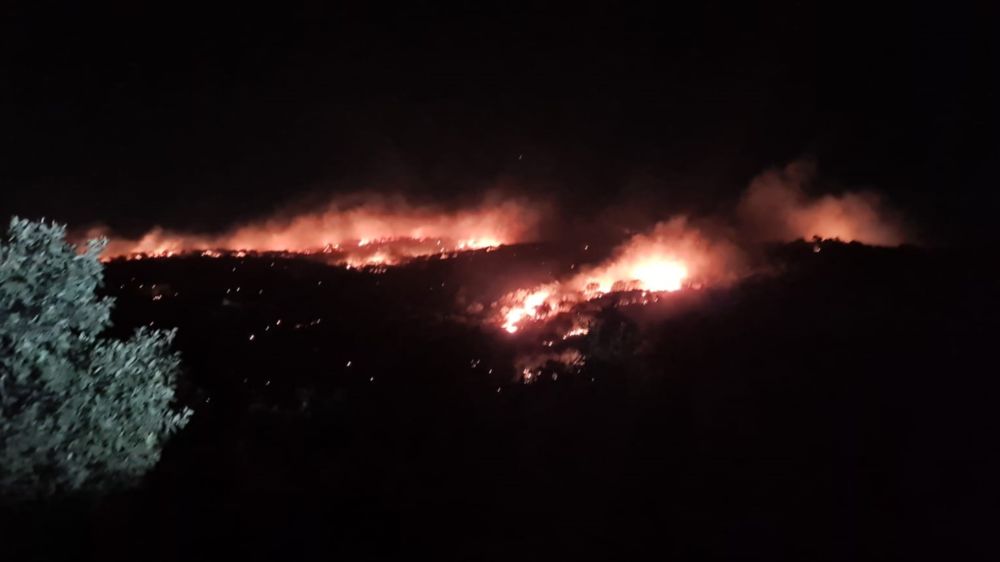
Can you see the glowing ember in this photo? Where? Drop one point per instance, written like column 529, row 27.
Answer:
column 532, row 366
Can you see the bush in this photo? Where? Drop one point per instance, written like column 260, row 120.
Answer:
column 78, row 413
column 613, row 337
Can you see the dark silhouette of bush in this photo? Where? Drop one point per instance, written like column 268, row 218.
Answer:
column 612, row 337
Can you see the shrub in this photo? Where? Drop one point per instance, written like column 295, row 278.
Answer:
column 78, row 412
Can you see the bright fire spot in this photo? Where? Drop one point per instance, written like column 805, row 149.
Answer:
column 527, row 308
column 672, row 256
column 478, row 244
column 576, row 331
column 363, row 231
column 659, row 275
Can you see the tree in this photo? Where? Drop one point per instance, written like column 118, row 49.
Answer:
column 78, row 412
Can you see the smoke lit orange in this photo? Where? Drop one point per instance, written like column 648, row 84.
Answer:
column 776, row 207
column 670, row 257
column 376, row 231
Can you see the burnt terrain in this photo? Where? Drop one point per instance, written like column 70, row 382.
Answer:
column 840, row 406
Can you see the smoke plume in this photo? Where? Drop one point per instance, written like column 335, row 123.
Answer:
column 776, row 208
column 366, row 229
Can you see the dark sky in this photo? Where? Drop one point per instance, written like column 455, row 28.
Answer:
column 138, row 114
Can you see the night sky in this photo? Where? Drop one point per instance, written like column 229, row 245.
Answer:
column 135, row 115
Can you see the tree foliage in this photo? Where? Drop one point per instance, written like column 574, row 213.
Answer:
column 78, row 412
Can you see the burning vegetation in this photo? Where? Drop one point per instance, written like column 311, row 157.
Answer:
column 672, row 256
column 551, row 315
column 681, row 254
column 374, row 231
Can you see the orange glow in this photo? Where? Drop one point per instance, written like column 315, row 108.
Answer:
column 670, row 257
column 525, row 307
column 660, row 275
column 666, row 259
column 372, row 231
column 776, row 207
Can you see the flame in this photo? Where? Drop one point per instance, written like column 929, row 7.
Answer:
column 654, row 273
column 672, row 256
column 527, row 307
column 660, row 275
column 375, row 231
column 576, row 331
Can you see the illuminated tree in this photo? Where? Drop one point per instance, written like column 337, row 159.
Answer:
column 78, row 413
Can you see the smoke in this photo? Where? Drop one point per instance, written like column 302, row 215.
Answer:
column 672, row 254
column 682, row 252
column 776, row 207
column 686, row 253
column 364, row 228
column 377, row 229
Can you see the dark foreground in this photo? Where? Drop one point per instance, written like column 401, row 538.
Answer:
column 843, row 410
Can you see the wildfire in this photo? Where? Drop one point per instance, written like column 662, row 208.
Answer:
column 672, row 256
column 660, row 275
column 370, row 232
column 654, row 274
column 528, row 307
